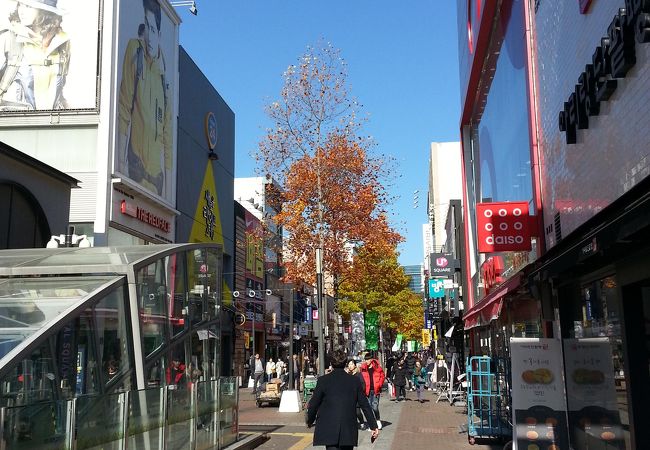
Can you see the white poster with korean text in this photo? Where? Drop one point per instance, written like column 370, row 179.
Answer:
column 538, row 401
column 594, row 420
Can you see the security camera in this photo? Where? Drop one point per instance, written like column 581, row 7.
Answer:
column 193, row 9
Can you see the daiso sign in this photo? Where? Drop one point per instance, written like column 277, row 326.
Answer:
column 503, row 227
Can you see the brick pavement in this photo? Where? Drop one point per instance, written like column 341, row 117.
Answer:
column 408, row 425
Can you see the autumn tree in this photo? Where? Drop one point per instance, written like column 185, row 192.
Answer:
column 377, row 282
column 332, row 184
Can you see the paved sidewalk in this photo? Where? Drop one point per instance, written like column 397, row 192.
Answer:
column 407, row 425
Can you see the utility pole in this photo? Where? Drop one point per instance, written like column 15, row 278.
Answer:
column 321, row 310
column 291, row 382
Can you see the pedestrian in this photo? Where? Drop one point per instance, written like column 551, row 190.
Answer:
column 390, row 362
column 410, row 368
column 399, row 380
column 270, row 369
column 373, row 377
column 353, row 370
column 419, row 379
column 175, row 374
column 257, row 367
column 333, row 408
column 279, row 369
column 296, row 369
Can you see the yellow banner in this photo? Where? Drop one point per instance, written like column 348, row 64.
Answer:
column 426, row 337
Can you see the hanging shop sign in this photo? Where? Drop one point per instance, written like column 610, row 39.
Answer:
column 611, row 60
column 491, row 271
column 442, row 264
column 503, row 227
column 371, row 322
column 539, row 411
column 436, row 288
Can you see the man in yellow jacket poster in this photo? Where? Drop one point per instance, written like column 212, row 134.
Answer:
column 144, row 152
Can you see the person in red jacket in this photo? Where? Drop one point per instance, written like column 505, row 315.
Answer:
column 373, row 379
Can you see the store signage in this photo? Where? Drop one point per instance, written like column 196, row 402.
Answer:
column 208, row 214
column 145, row 216
column 436, row 288
column 612, row 59
column 308, row 312
column 211, row 130
column 503, row 227
column 538, row 403
column 491, row 271
column 442, row 264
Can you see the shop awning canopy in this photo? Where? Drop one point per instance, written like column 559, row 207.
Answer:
column 489, row 308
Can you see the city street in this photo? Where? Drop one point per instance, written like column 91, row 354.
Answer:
column 407, row 425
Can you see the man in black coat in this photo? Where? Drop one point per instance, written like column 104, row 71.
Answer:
column 333, row 408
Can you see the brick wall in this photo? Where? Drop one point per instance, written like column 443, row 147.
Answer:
column 612, row 155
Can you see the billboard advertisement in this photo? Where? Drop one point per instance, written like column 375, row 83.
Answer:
column 147, row 68
column 48, row 55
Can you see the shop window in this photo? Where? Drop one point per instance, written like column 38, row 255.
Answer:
column 111, row 333
column 595, row 371
column 177, row 288
column 153, row 296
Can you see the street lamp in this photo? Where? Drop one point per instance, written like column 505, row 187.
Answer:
column 190, row 3
column 68, row 240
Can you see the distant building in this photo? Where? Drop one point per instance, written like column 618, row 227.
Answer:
column 416, row 284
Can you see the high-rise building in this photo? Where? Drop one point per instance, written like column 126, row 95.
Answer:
column 416, row 282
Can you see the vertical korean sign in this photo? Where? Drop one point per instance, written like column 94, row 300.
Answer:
column 594, row 420
column 538, row 402
column 372, row 330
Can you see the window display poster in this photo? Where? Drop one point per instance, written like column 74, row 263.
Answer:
column 594, row 421
column 539, row 412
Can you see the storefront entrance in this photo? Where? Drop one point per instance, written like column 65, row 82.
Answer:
column 636, row 309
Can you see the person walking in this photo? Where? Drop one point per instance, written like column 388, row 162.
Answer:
column 333, row 408
column 353, row 370
column 399, row 380
column 410, row 368
column 373, row 378
column 419, row 379
column 257, row 367
column 279, row 369
column 270, row 369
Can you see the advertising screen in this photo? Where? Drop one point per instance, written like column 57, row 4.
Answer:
column 146, row 95
column 48, row 55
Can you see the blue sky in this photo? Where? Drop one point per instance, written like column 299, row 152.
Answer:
column 403, row 67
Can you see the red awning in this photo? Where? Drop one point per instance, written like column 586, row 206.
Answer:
column 489, row 308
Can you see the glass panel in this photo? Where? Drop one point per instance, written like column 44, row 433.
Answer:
column 112, row 336
column 31, row 380
column 595, row 373
column 146, row 419
column 152, row 296
column 228, row 411
column 99, row 422
column 213, row 281
column 197, row 269
column 179, row 417
column 39, row 426
column 176, row 285
column 155, row 372
column 207, row 422
column 28, row 304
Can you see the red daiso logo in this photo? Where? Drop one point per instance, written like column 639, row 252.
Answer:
column 442, row 262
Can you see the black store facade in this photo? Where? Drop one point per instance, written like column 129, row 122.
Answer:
column 598, row 283
column 34, row 200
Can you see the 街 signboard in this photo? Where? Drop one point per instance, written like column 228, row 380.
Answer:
column 442, row 265
column 539, row 408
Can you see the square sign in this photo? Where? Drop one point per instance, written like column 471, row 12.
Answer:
column 436, row 288
column 503, row 227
